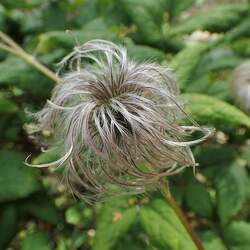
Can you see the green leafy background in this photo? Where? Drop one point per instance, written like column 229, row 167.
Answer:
column 36, row 210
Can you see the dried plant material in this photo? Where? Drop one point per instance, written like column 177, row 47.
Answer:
column 200, row 36
column 116, row 122
column 241, row 86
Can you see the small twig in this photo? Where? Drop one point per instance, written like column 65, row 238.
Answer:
column 33, row 61
column 6, row 39
column 12, row 47
column 172, row 202
column 7, row 48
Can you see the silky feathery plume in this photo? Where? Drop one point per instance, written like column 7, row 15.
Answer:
column 116, row 122
column 241, row 86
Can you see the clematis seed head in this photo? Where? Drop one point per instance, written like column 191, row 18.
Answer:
column 116, row 122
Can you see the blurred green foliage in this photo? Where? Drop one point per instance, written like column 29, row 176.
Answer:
column 36, row 211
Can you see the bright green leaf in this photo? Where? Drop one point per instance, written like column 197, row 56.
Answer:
column 74, row 214
column 46, row 157
column 211, row 241
column 115, row 220
column 164, row 227
column 16, row 179
column 144, row 53
column 186, row 61
column 208, row 110
column 160, row 231
column 217, row 19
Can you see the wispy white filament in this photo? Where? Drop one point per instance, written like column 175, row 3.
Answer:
column 117, row 122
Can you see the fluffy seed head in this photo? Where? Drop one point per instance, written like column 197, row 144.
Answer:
column 116, row 122
column 241, row 86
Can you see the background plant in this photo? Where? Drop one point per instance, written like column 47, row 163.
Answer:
column 35, row 210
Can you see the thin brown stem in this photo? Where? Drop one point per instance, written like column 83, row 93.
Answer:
column 172, row 202
column 12, row 47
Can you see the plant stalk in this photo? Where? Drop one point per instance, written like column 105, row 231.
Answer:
column 11, row 46
column 172, row 202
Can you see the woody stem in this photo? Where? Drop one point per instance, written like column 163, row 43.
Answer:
column 172, row 202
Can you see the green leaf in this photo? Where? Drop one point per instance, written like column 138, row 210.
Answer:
column 115, row 220
column 134, row 240
column 95, row 29
column 186, row 61
column 7, row 74
column 237, row 235
column 218, row 59
column 217, row 19
column 36, row 240
column 54, row 18
column 6, row 105
column 2, row 18
column 241, row 47
column 148, row 17
column 42, row 206
column 86, row 11
column 8, row 224
column 232, row 190
column 168, row 214
column 211, row 241
column 16, row 179
column 246, row 155
column 176, row 7
column 239, row 31
column 206, row 84
column 215, row 154
column 214, row 72
column 178, row 193
column 159, row 231
column 198, row 199
column 144, row 53
column 212, row 111
column 164, row 228
column 21, row 4
column 74, row 214
column 16, row 72
column 46, row 157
